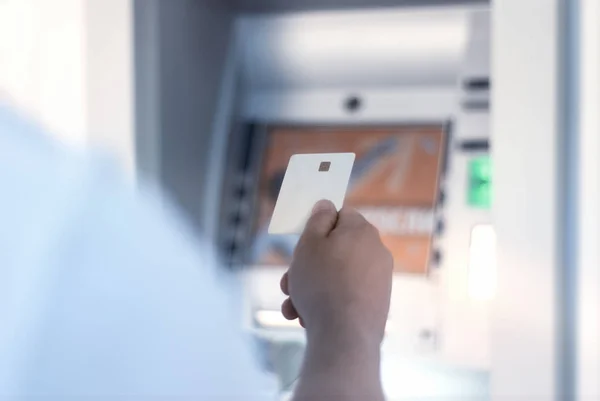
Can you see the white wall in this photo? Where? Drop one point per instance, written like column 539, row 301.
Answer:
column 68, row 65
column 42, row 63
column 109, row 77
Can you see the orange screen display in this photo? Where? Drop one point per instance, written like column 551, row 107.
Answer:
column 394, row 183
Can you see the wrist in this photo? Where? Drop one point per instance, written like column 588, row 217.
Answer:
column 340, row 366
column 345, row 333
column 344, row 342
column 342, row 361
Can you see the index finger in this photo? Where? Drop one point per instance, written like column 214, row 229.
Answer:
column 349, row 217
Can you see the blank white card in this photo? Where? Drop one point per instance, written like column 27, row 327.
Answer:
column 308, row 179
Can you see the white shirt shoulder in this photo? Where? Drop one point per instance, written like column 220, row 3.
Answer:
column 104, row 291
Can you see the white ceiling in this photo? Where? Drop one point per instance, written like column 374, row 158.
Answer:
column 397, row 47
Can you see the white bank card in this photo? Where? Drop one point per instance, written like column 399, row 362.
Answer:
column 308, row 179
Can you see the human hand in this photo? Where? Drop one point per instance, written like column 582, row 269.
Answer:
column 340, row 279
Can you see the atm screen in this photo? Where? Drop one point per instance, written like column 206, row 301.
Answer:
column 394, row 183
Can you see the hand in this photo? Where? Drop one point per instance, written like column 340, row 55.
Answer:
column 340, row 278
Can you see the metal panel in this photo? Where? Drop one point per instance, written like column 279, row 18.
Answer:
column 147, row 87
column 588, row 169
column 327, row 106
column 526, row 134
column 359, row 49
column 270, row 6
column 194, row 38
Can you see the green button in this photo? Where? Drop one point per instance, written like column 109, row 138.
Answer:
column 480, row 183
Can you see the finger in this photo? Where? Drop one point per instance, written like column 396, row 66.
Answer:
column 302, row 322
column 288, row 310
column 284, row 284
column 349, row 217
column 322, row 220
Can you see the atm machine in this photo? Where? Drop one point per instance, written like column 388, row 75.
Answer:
column 407, row 90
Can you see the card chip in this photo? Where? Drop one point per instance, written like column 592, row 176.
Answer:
column 324, row 166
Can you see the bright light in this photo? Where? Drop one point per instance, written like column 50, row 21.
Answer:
column 482, row 262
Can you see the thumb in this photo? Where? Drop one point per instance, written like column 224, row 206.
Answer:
column 322, row 220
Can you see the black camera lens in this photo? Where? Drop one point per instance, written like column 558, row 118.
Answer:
column 353, row 104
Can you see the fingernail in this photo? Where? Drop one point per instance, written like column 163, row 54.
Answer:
column 322, row 205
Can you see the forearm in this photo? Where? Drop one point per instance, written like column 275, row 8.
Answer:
column 341, row 368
